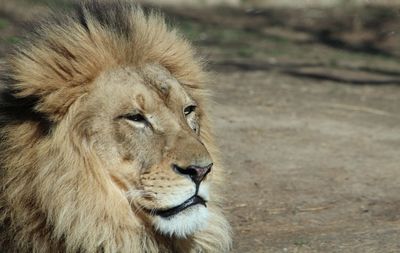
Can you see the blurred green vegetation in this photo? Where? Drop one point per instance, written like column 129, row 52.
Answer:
column 3, row 23
column 13, row 39
column 301, row 242
column 50, row 3
column 236, row 42
column 259, row 37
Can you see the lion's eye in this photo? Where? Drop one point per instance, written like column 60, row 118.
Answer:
column 136, row 118
column 189, row 109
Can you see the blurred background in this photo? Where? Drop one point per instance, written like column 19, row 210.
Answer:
column 307, row 115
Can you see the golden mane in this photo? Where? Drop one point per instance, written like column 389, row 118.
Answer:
column 39, row 84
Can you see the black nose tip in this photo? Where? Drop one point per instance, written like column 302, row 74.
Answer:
column 196, row 173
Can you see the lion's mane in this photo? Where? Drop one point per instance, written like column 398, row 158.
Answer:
column 53, row 196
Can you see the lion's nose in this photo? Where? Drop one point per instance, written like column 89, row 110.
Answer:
column 196, row 173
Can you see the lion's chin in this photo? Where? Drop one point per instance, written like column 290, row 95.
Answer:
column 183, row 224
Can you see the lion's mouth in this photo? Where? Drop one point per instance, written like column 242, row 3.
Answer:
column 165, row 213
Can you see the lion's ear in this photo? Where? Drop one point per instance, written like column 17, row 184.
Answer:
column 56, row 104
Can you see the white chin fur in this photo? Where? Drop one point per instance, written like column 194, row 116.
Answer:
column 184, row 223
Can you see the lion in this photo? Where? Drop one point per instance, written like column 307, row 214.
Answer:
column 106, row 138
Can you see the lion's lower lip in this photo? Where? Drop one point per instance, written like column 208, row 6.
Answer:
column 165, row 213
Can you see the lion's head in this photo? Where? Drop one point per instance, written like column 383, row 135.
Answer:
column 145, row 127
column 106, row 142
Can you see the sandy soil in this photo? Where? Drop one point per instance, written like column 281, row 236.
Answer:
column 313, row 167
column 308, row 120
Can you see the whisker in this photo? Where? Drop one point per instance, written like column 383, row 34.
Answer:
column 133, row 195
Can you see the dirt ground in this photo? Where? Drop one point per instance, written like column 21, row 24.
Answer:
column 308, row 120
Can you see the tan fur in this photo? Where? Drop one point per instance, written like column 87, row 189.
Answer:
column 74, row 175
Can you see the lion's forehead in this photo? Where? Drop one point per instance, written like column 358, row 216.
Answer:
column 151, row 90
column 160, row 79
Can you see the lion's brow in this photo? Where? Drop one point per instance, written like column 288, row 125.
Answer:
column 164, row 88
column 161, row 87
